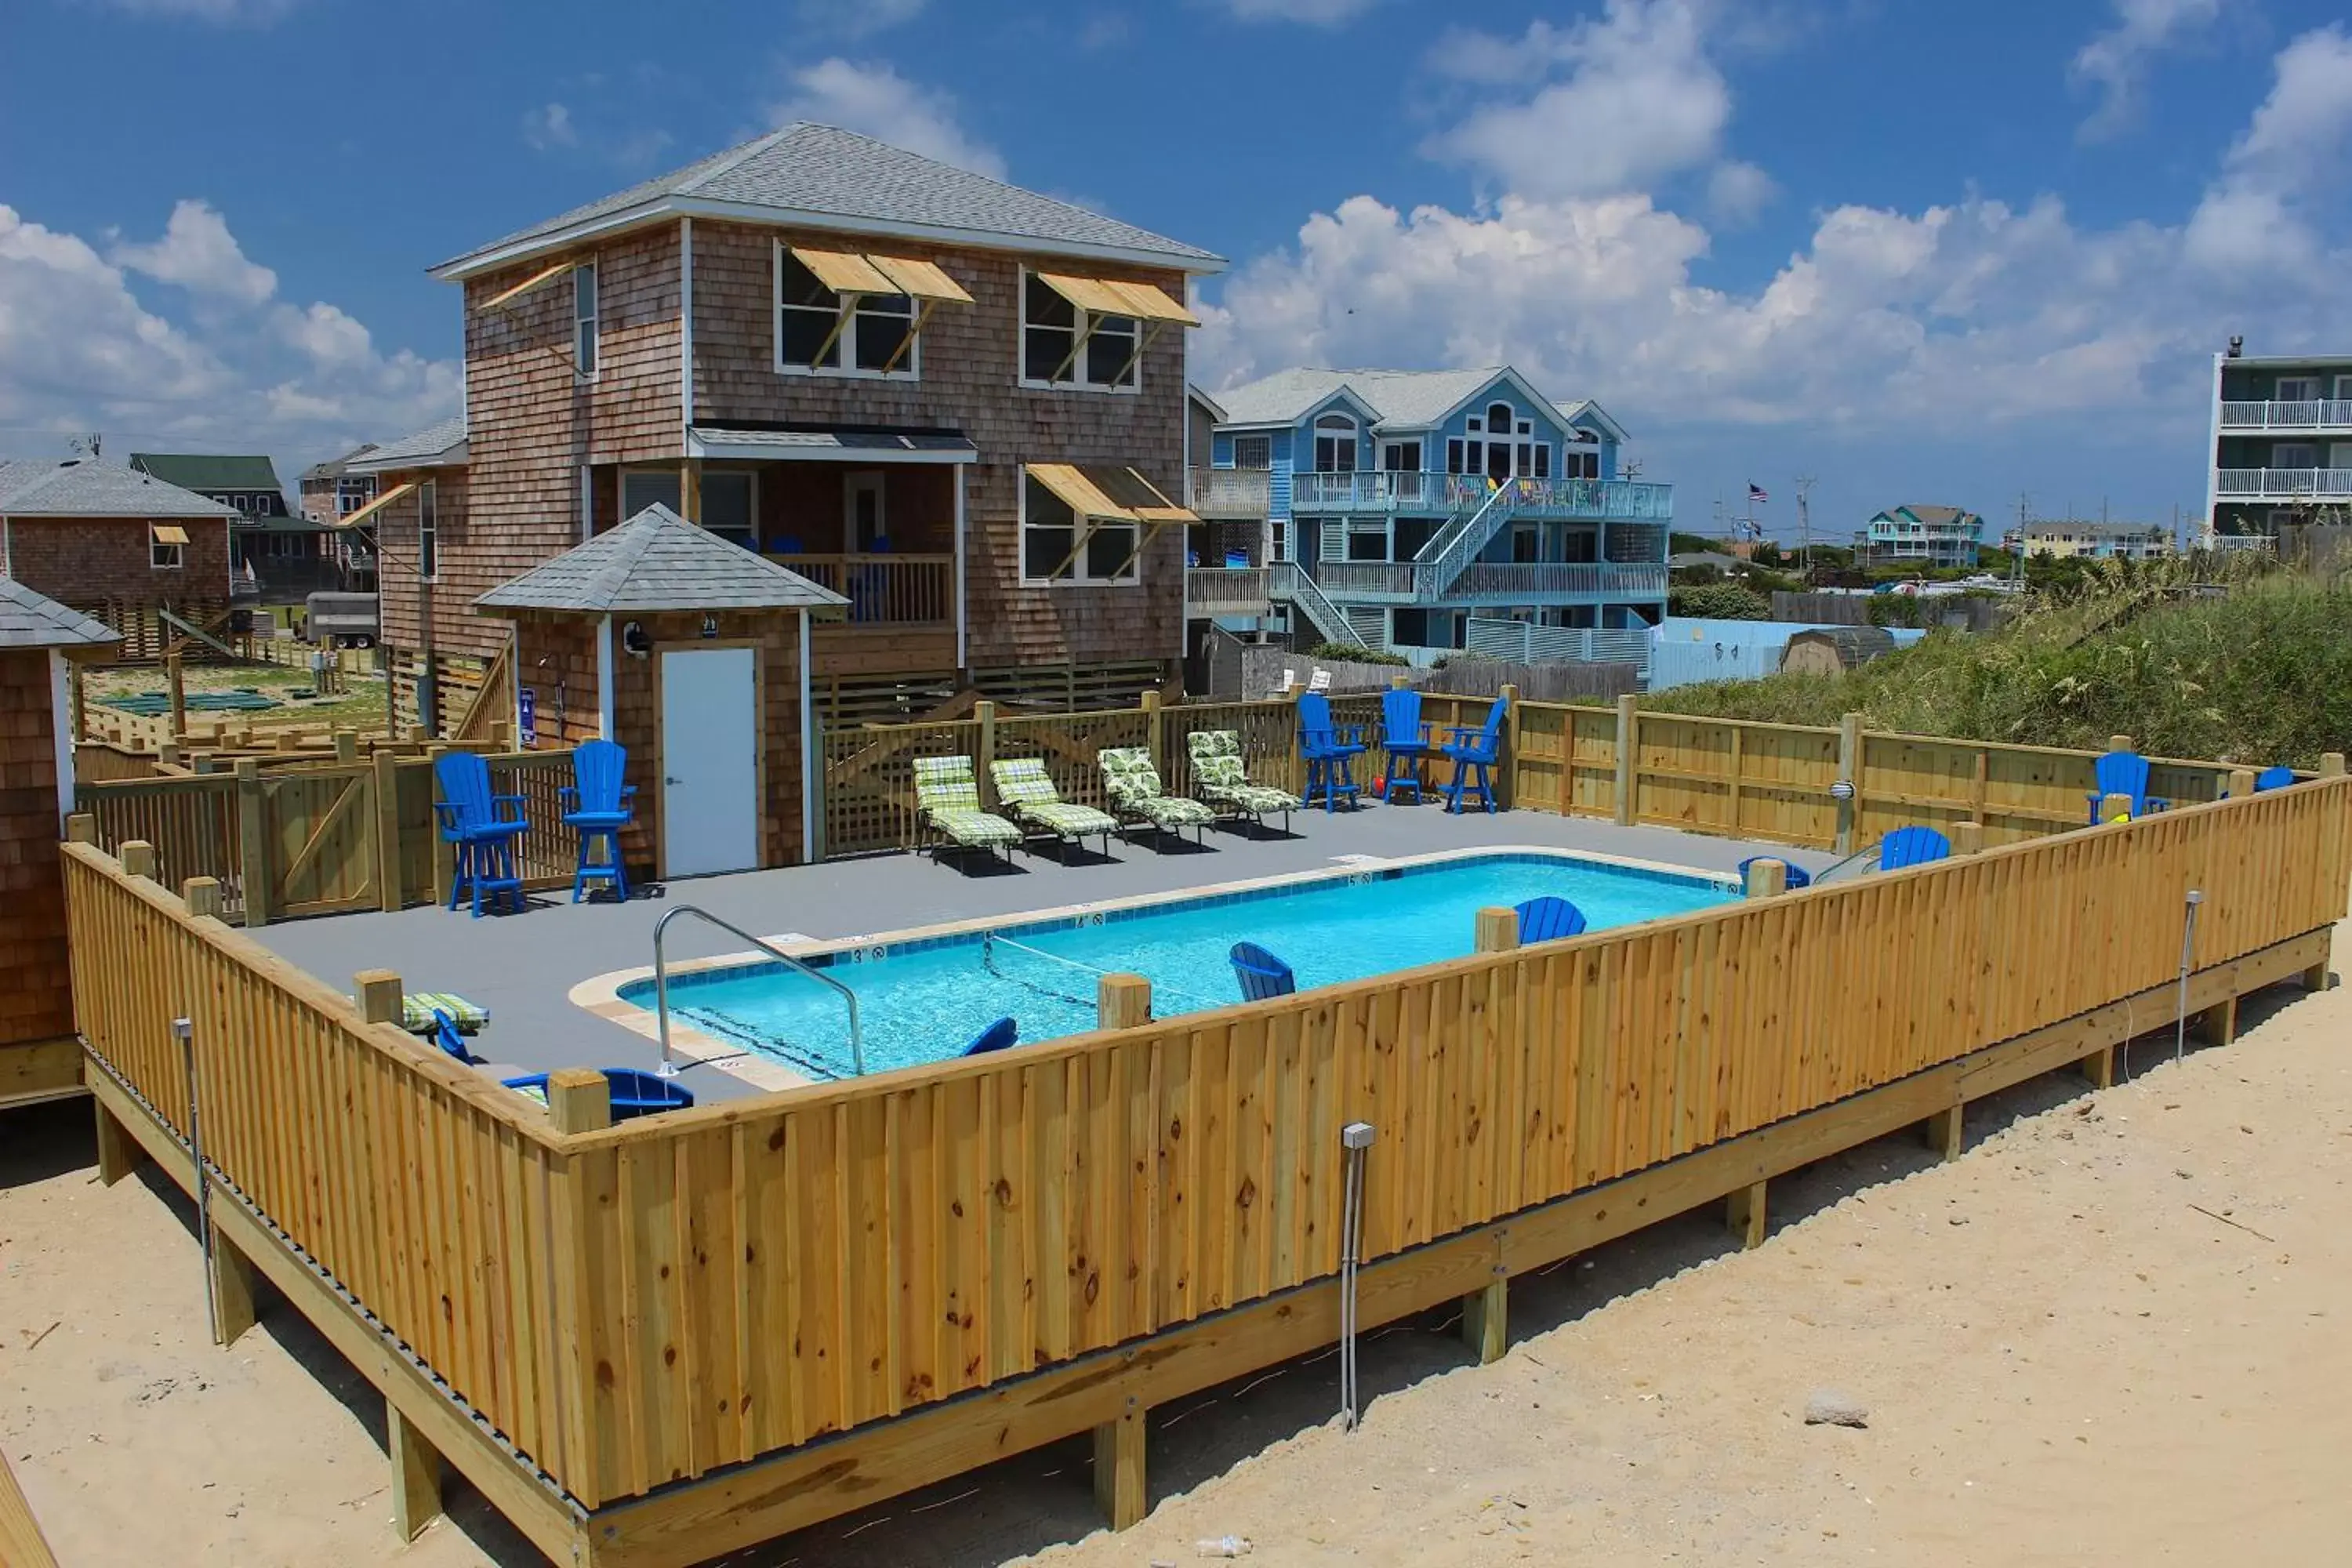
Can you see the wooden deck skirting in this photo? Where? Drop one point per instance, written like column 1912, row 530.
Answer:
column 21, row 1542
column 677, row 1320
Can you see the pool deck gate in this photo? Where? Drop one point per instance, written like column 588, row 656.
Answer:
column 653, row 1343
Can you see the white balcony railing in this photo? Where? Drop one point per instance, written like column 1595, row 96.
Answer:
column 1542, row 580
column 2314, row 414
column 2286, row 484
column 1228, row 590
column 1596, row 501
column 1232, row 492
column 1374, row 491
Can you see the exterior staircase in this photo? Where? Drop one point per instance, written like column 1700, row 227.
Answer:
column 1293, row 586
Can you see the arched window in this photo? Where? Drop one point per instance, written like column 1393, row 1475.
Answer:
column 1335, row 444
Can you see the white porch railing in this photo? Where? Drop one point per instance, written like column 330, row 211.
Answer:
column 1547, row 578
column 1374, row 491
column 1227, row 590
column 2286, row 483
column 1526, row 643
column 2316, row 414
column 1246, row 493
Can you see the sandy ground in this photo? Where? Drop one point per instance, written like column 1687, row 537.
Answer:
column 2113, row 1331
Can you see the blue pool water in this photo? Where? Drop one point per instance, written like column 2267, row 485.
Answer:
column 924, row 1001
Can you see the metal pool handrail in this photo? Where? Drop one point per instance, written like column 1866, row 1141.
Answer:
column 661, row 983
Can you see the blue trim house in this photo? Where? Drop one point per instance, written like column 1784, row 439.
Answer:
column 1396, row 507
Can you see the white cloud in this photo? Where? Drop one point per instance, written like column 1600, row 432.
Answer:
column 81, row 350
column 1737, row 193
column 198, row 253
column 225, row 12
column 1640, row 101
column 858, row 18
column 1313, row 13
column 549, row 126
column 2116, row 61
column 2282, row 177
column 876, row 101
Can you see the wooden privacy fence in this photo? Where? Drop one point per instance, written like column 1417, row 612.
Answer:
column 324, row 838
column 633, row 1309
column 1775, row 783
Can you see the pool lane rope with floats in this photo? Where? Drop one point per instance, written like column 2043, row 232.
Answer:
column 990, row 942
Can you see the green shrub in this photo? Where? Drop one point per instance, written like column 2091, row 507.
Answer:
column 1349, row 653
column 1719, row 601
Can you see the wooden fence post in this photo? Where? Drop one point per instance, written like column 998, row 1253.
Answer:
column 81, row 701
column 416, row 1474
column 138, row 858
column 1508, row 772
column 389, row 865
column 985, row 712
column 378, row 993
column 1486, row 1311
column 579, row 1099
column 176, row 679
column 1154, row 734
column 2119, row 742
column 1745, row 1213
column 203, row 897
column 1498, row 930
column 347, row 746
column 1119, row 1488
column 1296, row 780
column 1967, row 837
column 2242, row 783
column 253, row 842
column 1122, row 1001
column 2331, row 764
column 1767, row 879
column 82, row 827
column 1849, row 773
column 2114, row 807
column 1944, row 1134
column 444, row 856
column 1629, row 726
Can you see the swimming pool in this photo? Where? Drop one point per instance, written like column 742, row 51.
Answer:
column 926, row 999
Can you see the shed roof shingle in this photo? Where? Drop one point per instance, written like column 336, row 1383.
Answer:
column 434, row 445
column 30, row 488
column 840, row 179
column 208, row 470
column 32, row 620
column 658, row 561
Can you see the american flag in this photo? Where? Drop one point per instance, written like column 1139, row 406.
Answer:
column 1756, row 491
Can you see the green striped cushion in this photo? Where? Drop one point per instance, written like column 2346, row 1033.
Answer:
column 417, row 1010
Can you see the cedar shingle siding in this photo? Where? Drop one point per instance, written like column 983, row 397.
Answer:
column 533, row 425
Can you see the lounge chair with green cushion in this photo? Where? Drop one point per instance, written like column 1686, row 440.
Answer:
column 949, row 798
column 1132, row 784
column 417, row 1009
column 1220, row 778
column 1025, row 789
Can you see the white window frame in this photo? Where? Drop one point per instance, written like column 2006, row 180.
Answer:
column 1080, row 321
column 910, row 367
column 1278, row 539
column 1078, row 576
column 428, row 532
column 1262, row 444
column 587, row 326
column 1315, row 437
column 162, row 557
column 2343, row 389
column 2284, row 382
column 2279, row 451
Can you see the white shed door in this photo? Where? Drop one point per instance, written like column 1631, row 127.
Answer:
column 710, row 761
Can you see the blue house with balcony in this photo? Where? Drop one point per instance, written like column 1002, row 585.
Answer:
column 1424, row 510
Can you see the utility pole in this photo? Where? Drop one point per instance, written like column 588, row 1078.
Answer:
column 1805, row 483
column 2024, row 507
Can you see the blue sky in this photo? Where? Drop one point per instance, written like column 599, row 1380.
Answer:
column 1927, row 252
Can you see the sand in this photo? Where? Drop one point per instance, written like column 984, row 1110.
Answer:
column 2113, row 1331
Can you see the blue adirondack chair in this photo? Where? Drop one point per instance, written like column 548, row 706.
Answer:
column 1798, row 876
column 1002, row 1035
column 596, row 806
column 1330, row 752
column 1405, row 740
column 2273, row 778
column 1473, row 752
column 445, row 1036
column 1262, row 975
column 635, row 1093
column 1912, row 847
column 1549, row 919
column 480, row 835
column 2125, row 773
column 1237, row 559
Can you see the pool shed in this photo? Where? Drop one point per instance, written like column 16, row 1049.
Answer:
column 39, row 1057
column 694, row 654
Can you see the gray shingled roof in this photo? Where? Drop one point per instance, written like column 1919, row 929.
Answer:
column 658, row 561
column 432, row 446
column 1409, row 399
column 839, row 178
column 88, row 488
column 29, row 620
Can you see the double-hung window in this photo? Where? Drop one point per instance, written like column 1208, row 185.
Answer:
column 428, row 534
column 583, row 321
column 1064, row 345
column 1057, row 545
column 875, row 336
